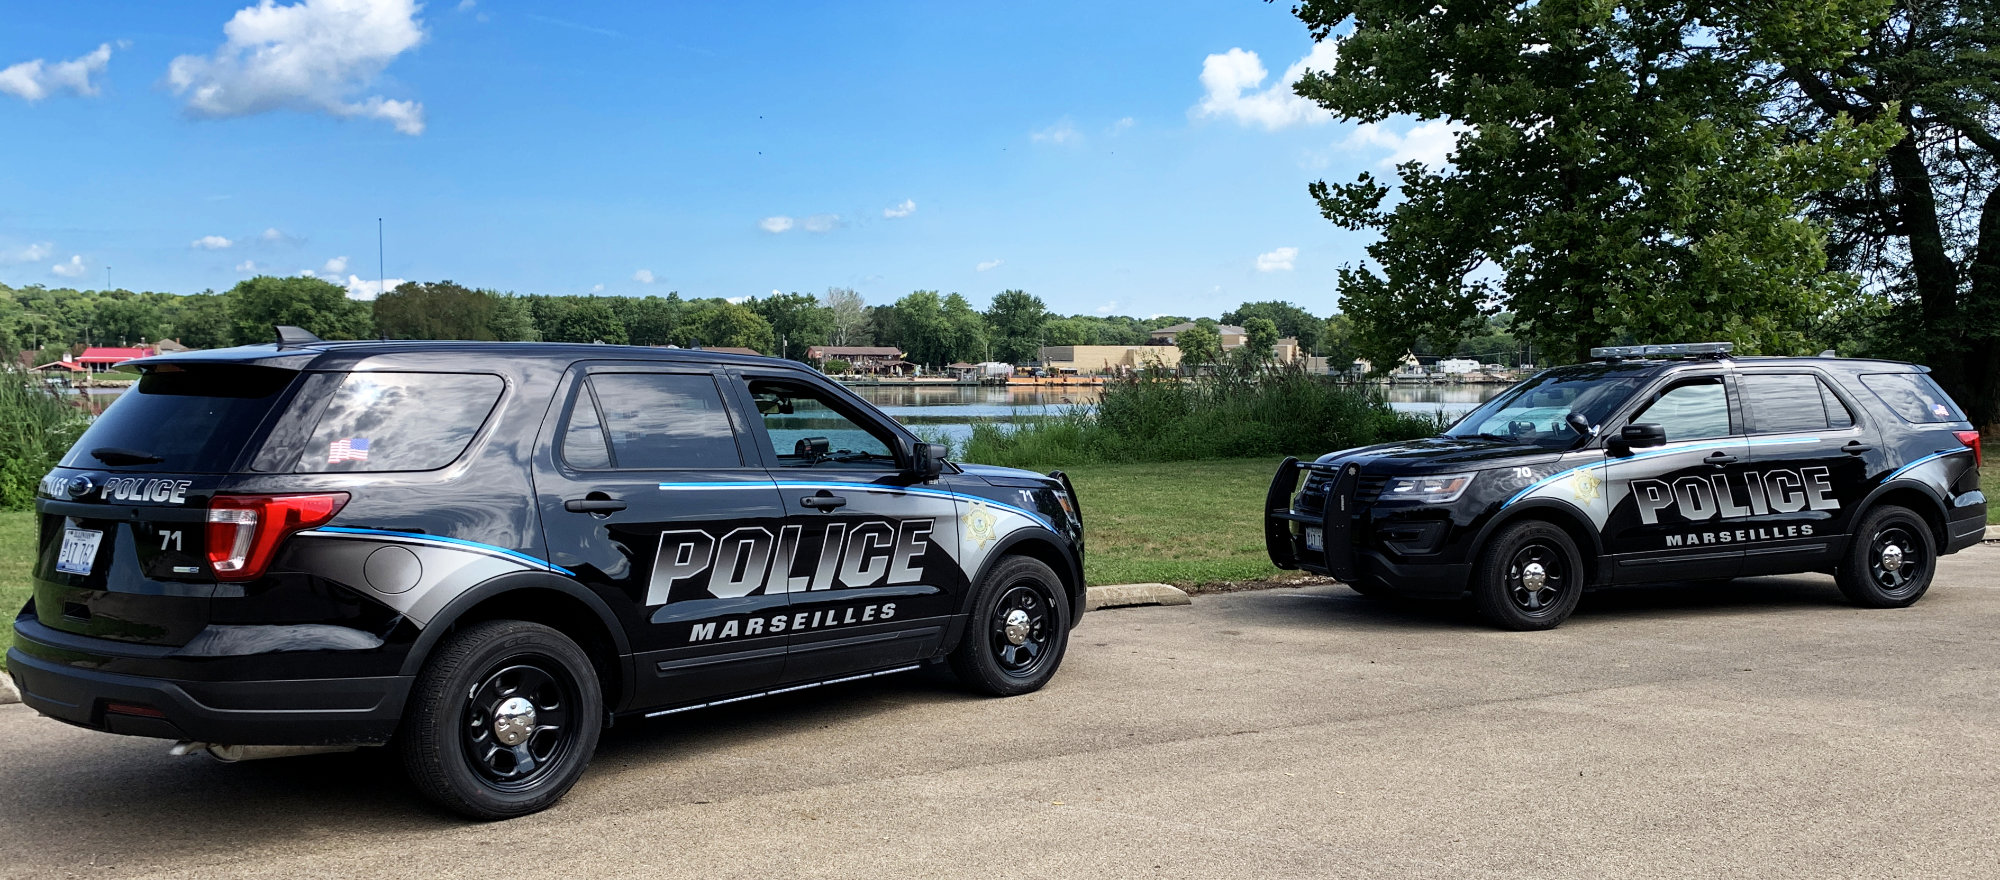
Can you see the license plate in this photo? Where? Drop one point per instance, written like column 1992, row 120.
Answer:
column 79, row 550
column 1315, row 538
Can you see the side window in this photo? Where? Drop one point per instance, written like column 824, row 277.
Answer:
column 399, row 421
column 1914, row 396
column 1783, row 403
column 806, row 430
column 1697, row 409
column 650, row 421
column 583, row 444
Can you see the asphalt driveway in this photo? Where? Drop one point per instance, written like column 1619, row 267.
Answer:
column 1764, row 730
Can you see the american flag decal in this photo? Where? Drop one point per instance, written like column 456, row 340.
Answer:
column 347, row 449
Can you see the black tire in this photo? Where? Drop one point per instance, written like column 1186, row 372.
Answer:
column 1890, row 562
column 453, row 744
column 1003, row 654
column 1528, row 577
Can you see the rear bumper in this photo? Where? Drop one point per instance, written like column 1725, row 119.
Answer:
column 319, row 711
column 1967, row 527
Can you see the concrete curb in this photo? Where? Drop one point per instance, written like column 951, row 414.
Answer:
column 1992, row 533
column 7, row 692
column 1128, row 595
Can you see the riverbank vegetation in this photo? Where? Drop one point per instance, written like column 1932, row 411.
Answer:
column 36, row 428
column 1233, row 411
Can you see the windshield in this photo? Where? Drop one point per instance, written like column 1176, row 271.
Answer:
column 1536, row 411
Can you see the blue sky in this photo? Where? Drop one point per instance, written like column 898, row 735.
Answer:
column 1107, row 157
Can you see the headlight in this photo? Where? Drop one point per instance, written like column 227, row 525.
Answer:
column 1435, row 487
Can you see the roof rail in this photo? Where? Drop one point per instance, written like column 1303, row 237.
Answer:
column 1676, row 350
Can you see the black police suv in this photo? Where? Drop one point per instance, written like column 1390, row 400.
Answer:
column 1654, row 463
column 484, row 553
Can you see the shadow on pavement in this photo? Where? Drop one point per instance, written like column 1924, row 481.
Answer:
column 1339, row 606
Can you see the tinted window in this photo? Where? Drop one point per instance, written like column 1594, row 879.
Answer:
column 664, row 420
column 1697, row 410
column 1798, row 402
column 583, row 443
column 796, row 416
column 195, row 419
column 1914, row 397
column 399, row 421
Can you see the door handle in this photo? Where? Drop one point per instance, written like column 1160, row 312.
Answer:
column 823, row 500
column 593, row 505
column 1856, row 447
column 1719, row 458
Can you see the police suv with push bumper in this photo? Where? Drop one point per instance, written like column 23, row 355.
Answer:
column 486, row 552
column 1652, row 464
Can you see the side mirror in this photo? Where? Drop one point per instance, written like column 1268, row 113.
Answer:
column 926, row 461
column 1579, row 423
column 1637, row 436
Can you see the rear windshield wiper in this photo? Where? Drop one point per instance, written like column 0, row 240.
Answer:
column 121, row 455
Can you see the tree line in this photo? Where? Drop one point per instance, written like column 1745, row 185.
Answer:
column 928, row 327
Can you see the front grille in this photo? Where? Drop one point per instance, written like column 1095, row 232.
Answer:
column 1367, row 488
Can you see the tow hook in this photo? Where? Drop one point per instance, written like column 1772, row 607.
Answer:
column 233, row 754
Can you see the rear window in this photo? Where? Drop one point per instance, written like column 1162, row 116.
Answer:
column 1914, row 396
column 399, row 421
column 186, row 419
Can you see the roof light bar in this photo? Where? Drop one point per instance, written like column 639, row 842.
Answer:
column 1683, row 349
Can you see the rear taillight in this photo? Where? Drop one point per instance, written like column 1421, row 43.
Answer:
column 1971, row 440
column 244, row 531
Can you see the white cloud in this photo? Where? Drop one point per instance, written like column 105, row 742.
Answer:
column 273, row 236
column 643, row 276
column 72, row 269
column 1230, row 81
column 1123, row 124
column 247, row 266
column 988, row 265
column 597, row 288
column 1428, row 142
column 466, row 5
column 28, row 253
column 1108, row 308
column 312, row 56
column 335, row 266
column 211, row 243
column 775, row 225
column 739, row 300
column 822, row 223
column 908, row 207
column 362, row 289
column 1279, row 260
column 1060, row 133
column 37, row 79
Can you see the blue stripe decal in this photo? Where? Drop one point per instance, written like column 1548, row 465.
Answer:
column 440, row 539
column 868, row 487
column 1935, row 455
column 1697, row 447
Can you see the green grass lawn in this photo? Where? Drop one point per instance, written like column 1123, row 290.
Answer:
column 1183, row 523
column 17, row 552
column 1989, row 483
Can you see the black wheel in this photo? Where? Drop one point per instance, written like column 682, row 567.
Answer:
column 1019, row 629
column 1529, row 576
column 502, row 720
column 1890, row 561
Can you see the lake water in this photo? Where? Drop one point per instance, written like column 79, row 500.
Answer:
column 949, row 410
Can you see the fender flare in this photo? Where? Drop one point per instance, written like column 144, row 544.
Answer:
column 428, row 637
column 1073, row 572
column 1939, row 507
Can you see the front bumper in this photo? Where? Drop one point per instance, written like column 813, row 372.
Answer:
column 58, row 680
column 1341, row 555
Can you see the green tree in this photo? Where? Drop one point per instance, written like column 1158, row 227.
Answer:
column 1289, row 319
column 319, row 307
column 200, row 320
column 437, row 310
column 722, row 323
column 965, row 331
column 655, row 320
column 798, row 320
column 587, row 319
column 1015, row 322
column 1614, row 177
column 1199, row 345
column 1924, row 225
column 1260, row 337
column 920, row 329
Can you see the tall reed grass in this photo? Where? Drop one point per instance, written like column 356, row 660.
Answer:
column 1233, row 412
column 36, row 428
